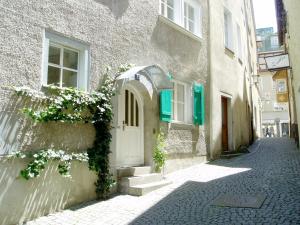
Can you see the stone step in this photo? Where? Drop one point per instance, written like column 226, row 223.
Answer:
column 141, row 179
column 143, row 189
column 133, row 171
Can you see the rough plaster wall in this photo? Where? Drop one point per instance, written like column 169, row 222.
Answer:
column 229, row 76
column 22, row 200
column 117, row 32
column 293, row 18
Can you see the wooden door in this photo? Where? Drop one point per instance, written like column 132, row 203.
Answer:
column 224, row 124
column 130, row 138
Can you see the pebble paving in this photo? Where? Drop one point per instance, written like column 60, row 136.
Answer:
column 271, row 168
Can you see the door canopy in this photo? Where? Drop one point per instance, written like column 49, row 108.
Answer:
column 152, row 77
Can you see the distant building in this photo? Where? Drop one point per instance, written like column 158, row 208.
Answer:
column 274, row 90
column 268, row 40
column 288, row 19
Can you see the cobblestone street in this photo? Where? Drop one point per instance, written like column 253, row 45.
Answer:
column 271, row 168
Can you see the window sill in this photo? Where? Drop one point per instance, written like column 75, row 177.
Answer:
column 181, row 125
column 179, row 28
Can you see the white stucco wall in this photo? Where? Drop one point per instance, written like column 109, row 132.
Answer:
column 116, row 32
column 229, row 77
column 293, row 46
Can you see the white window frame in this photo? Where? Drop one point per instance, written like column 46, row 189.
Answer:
column 187, row 103
column 66, row 43
column 179, row 14
column 228, row 30
column 165, row 5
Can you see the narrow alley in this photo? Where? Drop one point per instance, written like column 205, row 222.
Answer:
column 271, row 170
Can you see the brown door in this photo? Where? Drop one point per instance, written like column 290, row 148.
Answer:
column 224, row 124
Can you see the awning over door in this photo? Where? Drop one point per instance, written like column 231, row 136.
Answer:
column 152, row 77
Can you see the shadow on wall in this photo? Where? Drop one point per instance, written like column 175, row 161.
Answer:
column 19, row 133
column 22, row 200
column 183, row 49
column 117, row 7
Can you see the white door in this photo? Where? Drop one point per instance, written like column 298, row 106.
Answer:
column 130, row 143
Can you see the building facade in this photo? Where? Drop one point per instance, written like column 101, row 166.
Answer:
column 235, row 108
column 69, row 44
column 274, row 86
column 289, row 33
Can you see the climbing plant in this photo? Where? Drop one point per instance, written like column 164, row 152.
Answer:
column 42, row 157
column 159, row 155
column 71, row 105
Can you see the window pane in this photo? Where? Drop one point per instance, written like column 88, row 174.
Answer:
column 171, row 3
column 70, row 59
column 180, row 112
column 191, row 13
column 136, row 114
column 126, row 107
column 69, row 79
column 131, row 109
column 180, row 92
column 191, row 26
column 162, row 9
column 53, row 76
column 54, row 55
column 170, row 13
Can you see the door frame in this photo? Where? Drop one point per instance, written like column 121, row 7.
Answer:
column 230, row 140
column 119, row 161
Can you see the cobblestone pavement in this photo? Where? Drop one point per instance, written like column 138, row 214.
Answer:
column 272, row 168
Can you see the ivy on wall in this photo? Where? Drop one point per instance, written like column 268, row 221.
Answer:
column 43, row 157
column 69, row 105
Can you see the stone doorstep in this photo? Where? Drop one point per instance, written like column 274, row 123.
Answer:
column 139, row 181
column 133, row 171
column 143, row 189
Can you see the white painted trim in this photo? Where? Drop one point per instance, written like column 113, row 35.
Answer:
column 178, row 22
column 188, row 106
column 118, row 161
column 83, row 57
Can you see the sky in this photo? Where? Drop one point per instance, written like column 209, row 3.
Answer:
column 264, row 11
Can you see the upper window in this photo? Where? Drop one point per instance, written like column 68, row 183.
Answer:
column 228, row 29
column 189, row 17
column 167, row 8
column 65, row 62
column 186, row 13
column 181, row 101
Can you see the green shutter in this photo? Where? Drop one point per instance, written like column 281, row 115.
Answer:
column 166, row 105
column 199, row 105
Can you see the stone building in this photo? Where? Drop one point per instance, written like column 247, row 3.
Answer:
column 206, row 49
column 235, row 102
column 274, row 86
column 289, row 33
column 69, row 43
